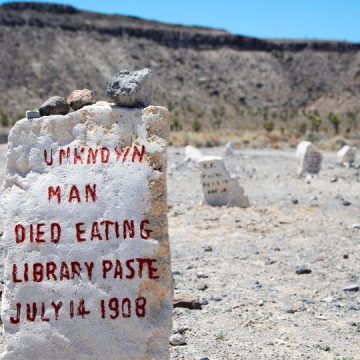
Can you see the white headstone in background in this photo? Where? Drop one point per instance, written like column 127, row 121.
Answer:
column 87, row 268
column 346, row 155
column 192, row 154
column 219, row 188
column 229, row 149
column 310, row 158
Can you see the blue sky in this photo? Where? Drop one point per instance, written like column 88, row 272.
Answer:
column 294, row 19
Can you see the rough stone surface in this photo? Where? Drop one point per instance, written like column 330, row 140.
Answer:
column 131, row 89
column 346, row 155
column 103, row 313
column 219, row 188
column 56, row 105
column 80, row 98
column 310, row 158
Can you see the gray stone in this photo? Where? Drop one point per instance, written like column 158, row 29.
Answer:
column 303, row 269
column 314, row 201
column 32, row 114
column 80, row 98
column 131, row 89
column 56, row 105
column 177, row 340
column 346, row 202
column 181, row 329
column 352, row 288
column 201, row 275
column 202, row 286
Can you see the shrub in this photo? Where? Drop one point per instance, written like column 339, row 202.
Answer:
column 268, row 126
column 196, row 125
column 302, row 128
column 335, row 122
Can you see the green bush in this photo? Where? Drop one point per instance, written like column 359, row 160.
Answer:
column 335, row 122
column 302, row 128
column 5, row 120
column 268, row 126
column 196, row 125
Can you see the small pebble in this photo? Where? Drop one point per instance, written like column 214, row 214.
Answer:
column 202, row 286
column 352, row 288
column 201, row 275
column 181, row 330
column 301, row 270
column 177, row 340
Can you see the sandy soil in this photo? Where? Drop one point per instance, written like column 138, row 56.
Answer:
column 257, row 306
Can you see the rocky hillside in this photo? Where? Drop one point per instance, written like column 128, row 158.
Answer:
column 208, row 78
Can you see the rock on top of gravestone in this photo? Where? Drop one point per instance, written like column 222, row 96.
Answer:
column 80, row 98
column 131, row 89
column 56, row 105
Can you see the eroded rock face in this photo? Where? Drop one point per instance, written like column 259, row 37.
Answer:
column 87, row 268
column 346, row 155
column 219, row 188
column 131, row 89
column 56, row 105
column 80, row 98
column 310, row 158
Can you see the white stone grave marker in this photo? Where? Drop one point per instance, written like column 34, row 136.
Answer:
column 219, row 188
column 346, row 155
column 192, row 154
column 310, row 158
column 87, row 266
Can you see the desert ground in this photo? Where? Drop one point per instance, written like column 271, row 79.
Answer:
column 241, row 263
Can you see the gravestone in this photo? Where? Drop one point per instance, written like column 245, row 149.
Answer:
column 229, row 149
column 346, row 155
column 219, row 188
column 192, row 154
column 87, row 266
column 310, row 158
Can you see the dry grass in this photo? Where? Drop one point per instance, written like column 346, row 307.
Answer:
column 261, row 139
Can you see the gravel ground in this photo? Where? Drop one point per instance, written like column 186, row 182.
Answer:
column 258, row 307
column 242, row 263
